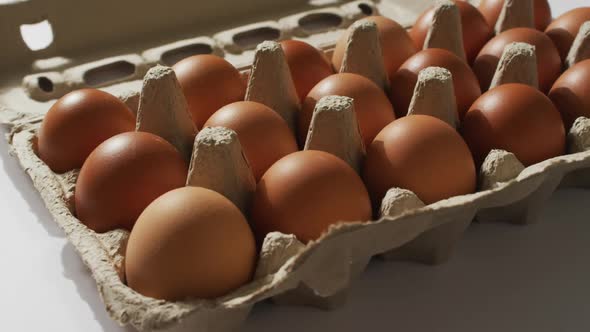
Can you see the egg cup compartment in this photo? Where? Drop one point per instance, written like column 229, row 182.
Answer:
column 289, row 272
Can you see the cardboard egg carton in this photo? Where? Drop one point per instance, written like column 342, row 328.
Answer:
column 288, row 272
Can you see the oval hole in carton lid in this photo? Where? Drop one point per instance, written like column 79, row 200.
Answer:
column 37, row 36
column 318, row 22
column 365, row 8
column 251, row 38
column 108, row 73
column 45, row 84
column 171, row 57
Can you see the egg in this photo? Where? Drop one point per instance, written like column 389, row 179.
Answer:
column 306, row 192
column 491, row 10
column 476, row 31
column 77, row 123
column 307, row 64
column 549, row 63
column 264, row 135
column 422, row 154
column 571, row 93
column 516, row 118
column 372, row 107
column 564, row 29
column 122, row 176
column 208, row 83
column 396, row 44
column 404, row 81
column 204, row 251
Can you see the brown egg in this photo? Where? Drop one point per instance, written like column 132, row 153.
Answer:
column 549, row 63
column 396, row 44
column 306, row 192
column 77, row 123
column 204, row 251
column 422, row 154
column 122, row 176
column 564, row 29
column 263, row 134
column 209, row 83
column 491, row 11
column 571, row 93
column 476, row 31
column 404, row 81
column 372, row 107
column 516, row 118
column 307, row 64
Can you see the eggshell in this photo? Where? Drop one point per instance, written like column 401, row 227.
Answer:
column 549, row 63
column 491, row 10
column 306, row 192
column 77, row 123
column 122, row 176
column 307, row 64
column 571, row 93
column 372, row 107
column 404, row 81
column 209, row 83
column 564, row 29
column 263, row 134
column 476, row 31
column 396, row 44
column 516, row 118
column 204, row 251
column 422, row 154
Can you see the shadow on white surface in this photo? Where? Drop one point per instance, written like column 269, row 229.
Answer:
column 75, row 270
column 502, row 278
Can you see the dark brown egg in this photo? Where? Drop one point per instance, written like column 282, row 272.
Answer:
column 396, row 44
column 209, row 83
column 564, row 29
column 476, row 31
column 491, row 10
column 549, row 63
column 263, row 134
column 306, row 192
column 77, row 123
column 307, row 64
column 205, row 251
column 372, row 107
column 516, row 118
column 422, row 154
column 571, row 93
column 122, row 176
column 404, row 81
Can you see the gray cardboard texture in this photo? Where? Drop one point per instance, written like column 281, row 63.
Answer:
column 288, row 272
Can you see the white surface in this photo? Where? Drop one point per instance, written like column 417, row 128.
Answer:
column 502, row 277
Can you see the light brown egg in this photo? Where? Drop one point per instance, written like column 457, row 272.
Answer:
column 307, row 64
column 404, row 81
column 491, row 10
column 77, row 123
column 122, row 176
column 516, row 118
column 422, row 154
column 571, row 93
column 205, row 251
column 564, row 29
column 396, row 44
column 372, row 107
column 549, row 63
column 476, row 31
column 209, row 83
column 306, row 192
column 263, row 134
